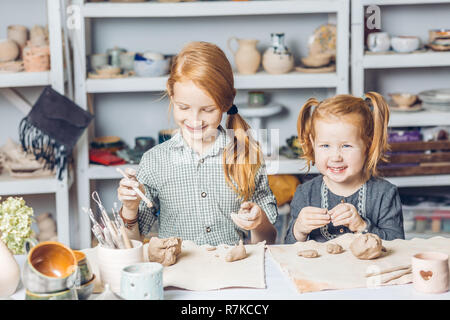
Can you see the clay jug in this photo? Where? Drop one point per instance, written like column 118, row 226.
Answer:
column 10, row 271
column 246, row 57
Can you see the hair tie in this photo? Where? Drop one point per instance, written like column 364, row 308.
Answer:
column 232, row 110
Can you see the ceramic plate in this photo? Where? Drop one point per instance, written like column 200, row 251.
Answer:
column 417, row 107
column 323, row 40
column 441, row 96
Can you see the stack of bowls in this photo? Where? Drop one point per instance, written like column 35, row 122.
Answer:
column 85, row 278
column 438, row 99
column 51, row 273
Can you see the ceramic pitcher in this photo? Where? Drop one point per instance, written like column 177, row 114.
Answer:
column 277, row 59
column 10, row 271
column 246, row 57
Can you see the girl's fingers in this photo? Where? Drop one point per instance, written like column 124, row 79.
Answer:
column 243, row 224
column 316, row 223
column 342, row 222
column 126, row 192
column 246, row 205
column 129, row 183
column 321, row 217
column 130, row 172
column 339, row 209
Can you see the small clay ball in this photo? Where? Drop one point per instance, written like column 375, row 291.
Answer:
column 308, row 253
column 334, row 248
column 366, row 246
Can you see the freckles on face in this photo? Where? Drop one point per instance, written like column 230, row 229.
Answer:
column 194, row 111
column 338, row 148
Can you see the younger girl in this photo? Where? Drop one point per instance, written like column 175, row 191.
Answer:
column 199, row 177
column 345, row 137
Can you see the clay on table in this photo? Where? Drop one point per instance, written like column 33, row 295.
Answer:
column 236, row 253
column 164, row 251
column 334, row 248
column 367, row 246
column 308, row 253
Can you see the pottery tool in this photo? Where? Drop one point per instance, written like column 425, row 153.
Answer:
column 122, row 229
column 139, row 192
column 388, row 270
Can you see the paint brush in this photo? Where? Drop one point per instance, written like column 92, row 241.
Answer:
column 139, row 192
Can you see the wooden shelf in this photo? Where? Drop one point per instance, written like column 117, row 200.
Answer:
column 24, row 79
column 206, row 8
column 22, row 186
column 260, row 80
column 418, row 119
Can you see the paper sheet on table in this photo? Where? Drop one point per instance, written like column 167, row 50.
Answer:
column 345, row 271
column 200, row 269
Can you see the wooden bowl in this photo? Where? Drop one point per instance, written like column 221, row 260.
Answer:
column 317, row 60
column 108, row 70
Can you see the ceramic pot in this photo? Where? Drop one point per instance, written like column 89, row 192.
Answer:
column 98, row 60
column 50, row 267
column 9, row 50
column 69, row 294
column 127, row 60
column 404, row 100
column 277, row 59
column 112, row 261
column 38, row 36
column 36, row 59
column 246, row 57
column 405, row 44
column 114, row 56
column 84, row 269
column 19, row 34
column 430, row 272
column 10, row 271
column 142, row 281
column 378, row 41
column 151, row 68
column 46, row 224
column 86, row 289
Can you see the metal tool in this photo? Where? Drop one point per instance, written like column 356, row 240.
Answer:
column 139, row 192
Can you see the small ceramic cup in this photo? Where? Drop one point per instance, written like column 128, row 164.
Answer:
column 256, row 98
column 430, row 272
column 112, row 261
column 50, row 267
column 84, row 269
column 142, row 281
column 378, row 41
column 127, row 60
column 98, row 60
column 405, row 44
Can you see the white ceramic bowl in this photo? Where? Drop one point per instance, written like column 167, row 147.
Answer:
column 151, row 68
column 112, row 261
column 405, row 44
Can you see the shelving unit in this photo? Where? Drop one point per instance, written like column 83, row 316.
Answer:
column 55, row 77
column 362, row 62
column 294, row 80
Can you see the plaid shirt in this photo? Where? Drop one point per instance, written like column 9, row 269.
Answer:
column 191, row 194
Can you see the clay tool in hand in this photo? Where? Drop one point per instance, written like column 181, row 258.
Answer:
column 136, row 189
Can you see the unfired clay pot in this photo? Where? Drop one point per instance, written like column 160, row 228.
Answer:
column 9, row 50
column 10, row 272
column 19, row 34
column 246, row 57
column 36, row 59
column 430, row 272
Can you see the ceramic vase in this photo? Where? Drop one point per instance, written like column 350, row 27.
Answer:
column 277, row 59
column 10, row 271
column 246, row 57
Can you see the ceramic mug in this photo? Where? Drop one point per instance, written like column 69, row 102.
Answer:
column 50, row 267
column 378, row 41
column 112, row 261
column 84, row 269
column 98, row 60
column 127, row 60
column 405, row 44
column 142, row 281
column 430, row 272
column 256, row 99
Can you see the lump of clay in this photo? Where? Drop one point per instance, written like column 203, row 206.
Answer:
column 164, row 251
column 366, row 246
column 308, row 253
column 236, row 253
column 334, row 248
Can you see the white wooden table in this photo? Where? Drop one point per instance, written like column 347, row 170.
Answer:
column 280, row 287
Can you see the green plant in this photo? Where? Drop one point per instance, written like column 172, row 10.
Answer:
column 15, row 223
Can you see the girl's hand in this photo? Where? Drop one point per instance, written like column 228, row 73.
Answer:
column 310, row 218
column 345, row 214
column 249, row 216
column 129, row 198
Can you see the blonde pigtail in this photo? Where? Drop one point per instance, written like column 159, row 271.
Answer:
column 304, row 130
column 379, row 145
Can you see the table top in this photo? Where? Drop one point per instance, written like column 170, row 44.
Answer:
column 280, row 287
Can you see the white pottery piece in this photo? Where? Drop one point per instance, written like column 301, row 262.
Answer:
column 10, row 271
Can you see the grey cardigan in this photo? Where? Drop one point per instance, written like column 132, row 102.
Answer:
column 378, row 203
